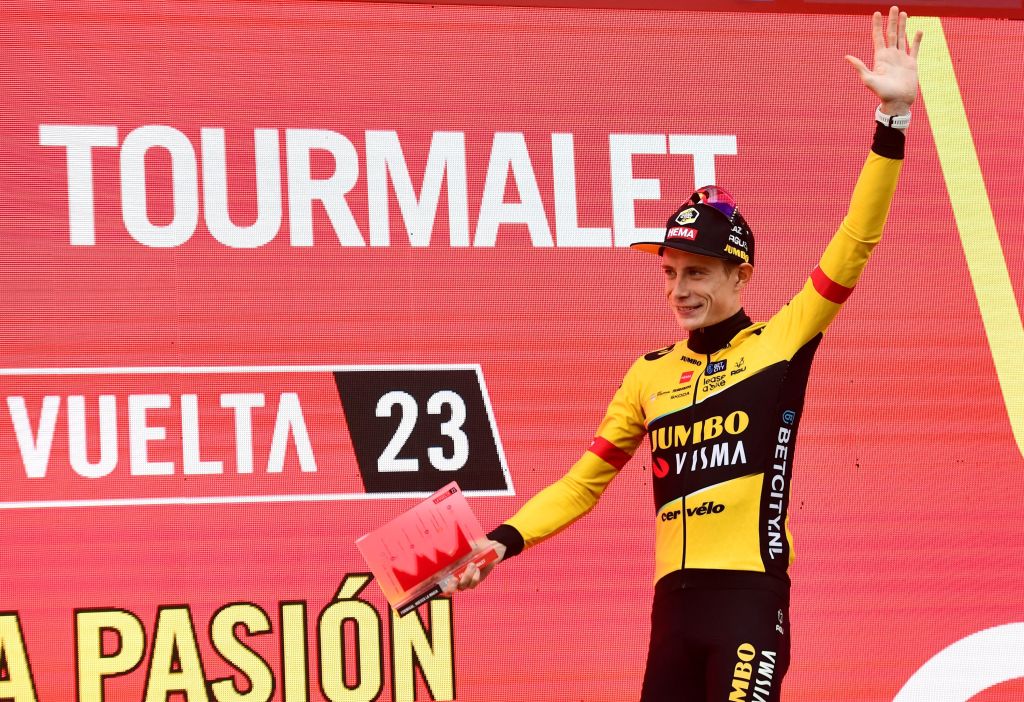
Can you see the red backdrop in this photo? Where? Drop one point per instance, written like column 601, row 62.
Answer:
column 906, row 510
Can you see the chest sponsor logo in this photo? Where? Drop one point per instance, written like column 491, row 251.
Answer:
column 699, row 511
column 705, row 508
column 686, row 377
column 682, row 435
column 687, row 436
column 724, row 453
column 740, row 367
column 713, row 383
column 716, row 367
column 661, row 467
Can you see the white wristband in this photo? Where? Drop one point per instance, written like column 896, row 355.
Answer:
column 894, row 121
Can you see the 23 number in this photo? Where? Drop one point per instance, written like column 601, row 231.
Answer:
column 389, row 462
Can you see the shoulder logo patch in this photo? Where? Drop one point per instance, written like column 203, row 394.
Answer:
column 660, row 353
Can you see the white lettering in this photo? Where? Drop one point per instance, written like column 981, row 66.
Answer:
column 192, row 463
column 626, row 189
column 184, row 186
column 307, row 151
column 140, row 433
column 78, row 449
column 243, row 405
column 508, row 152
column 704, row 148
column 303, row 189
column 34, row 446
column 445, row 162
column 268, row 190
column 569, row 232
column 290, row 422
column 79, row 140
column 720, row 454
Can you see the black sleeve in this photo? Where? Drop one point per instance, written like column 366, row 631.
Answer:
column 888, row 142
column 510, row 537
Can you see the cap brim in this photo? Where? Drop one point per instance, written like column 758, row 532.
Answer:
column 655, row 248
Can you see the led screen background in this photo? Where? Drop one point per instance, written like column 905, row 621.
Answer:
column 906, row 509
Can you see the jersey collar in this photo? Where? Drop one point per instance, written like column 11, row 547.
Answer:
column 717, row 336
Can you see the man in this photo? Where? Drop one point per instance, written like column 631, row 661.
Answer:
column 722, row 413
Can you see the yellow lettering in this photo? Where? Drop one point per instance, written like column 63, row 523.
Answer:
column 682, row 433
column 369, row 678
column 434, row 656
column 739, row 690
column 972, row 210
column 294, row 656
column 18, row 686
column 93, row 665
column 664, row 440
column 174, row 664
column 712, row 427
column 742, row 671
column 260, row 679
column 737, row 422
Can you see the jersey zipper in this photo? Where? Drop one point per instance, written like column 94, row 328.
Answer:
column 697, row 382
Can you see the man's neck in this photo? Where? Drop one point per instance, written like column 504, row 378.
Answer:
column 717, row 336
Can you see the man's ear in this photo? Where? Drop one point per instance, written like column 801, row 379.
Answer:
column 744, row 272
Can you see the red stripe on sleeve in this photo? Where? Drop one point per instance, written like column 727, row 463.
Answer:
column 609, row 452
column 828, row 288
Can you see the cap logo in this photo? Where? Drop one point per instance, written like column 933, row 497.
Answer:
column 687, row 216
column 681, row 233
column 733, row 239
column 742, row 255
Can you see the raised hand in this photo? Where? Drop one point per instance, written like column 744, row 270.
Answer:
column 893, row 77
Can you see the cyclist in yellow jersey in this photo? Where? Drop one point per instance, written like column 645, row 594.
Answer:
column 722, row 413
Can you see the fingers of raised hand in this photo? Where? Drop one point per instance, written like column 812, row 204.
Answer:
column 858, row 64
column 916, row 46
column 903, row 43
column 877, row 34
column 894, row 28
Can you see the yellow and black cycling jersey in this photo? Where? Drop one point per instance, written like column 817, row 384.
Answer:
column 722, row 413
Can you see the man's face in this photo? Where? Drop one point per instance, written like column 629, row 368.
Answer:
column 699, row 290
